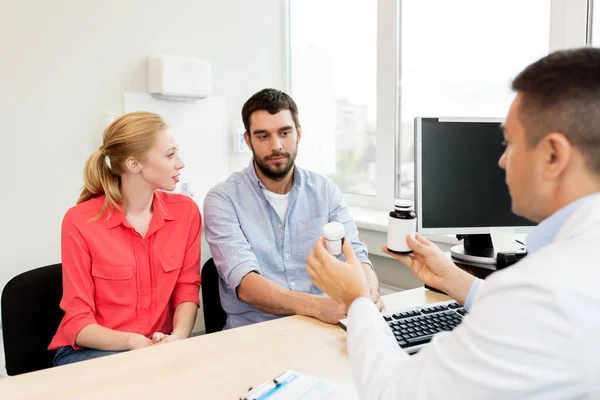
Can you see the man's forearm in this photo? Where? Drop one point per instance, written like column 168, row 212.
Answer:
column 271, row 298
column 372, row 279
column 184, row 319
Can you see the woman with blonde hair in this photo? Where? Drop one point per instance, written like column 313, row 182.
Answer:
column 130, row 250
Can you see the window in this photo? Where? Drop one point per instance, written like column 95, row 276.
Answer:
column 362, row 70
column 333, row 81
column 461, row 66
column 595, row 24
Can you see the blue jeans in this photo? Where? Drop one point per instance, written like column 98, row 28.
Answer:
column 67, row 355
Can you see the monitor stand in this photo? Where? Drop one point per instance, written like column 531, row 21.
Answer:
column 478, row 249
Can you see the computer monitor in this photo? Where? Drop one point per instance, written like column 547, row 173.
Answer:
column 459, row 187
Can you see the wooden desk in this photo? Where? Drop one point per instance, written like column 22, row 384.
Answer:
column 217, row 366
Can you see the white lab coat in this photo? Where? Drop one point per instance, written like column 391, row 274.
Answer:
column 533, row 332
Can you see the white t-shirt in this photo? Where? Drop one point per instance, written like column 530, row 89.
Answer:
column 279, row 202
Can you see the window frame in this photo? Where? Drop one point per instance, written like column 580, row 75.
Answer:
column 570, row 26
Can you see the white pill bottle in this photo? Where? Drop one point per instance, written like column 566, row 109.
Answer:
column 333, row 233
column 401, row 223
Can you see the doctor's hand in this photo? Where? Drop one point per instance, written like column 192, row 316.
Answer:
column 434, row 268
column 344, row 282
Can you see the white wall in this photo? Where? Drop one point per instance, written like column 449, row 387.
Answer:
column 64, row 65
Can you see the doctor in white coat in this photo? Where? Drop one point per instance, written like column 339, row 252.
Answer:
column 533, row 330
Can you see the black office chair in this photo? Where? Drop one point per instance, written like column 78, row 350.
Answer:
column 31, row 314
column 214, row 315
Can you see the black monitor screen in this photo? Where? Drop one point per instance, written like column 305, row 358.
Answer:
column 462, row 184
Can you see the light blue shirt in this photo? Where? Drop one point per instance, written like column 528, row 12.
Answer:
column 542, row 235
column 246, row 234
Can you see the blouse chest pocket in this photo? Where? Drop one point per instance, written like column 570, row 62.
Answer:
column 114, row 284
column 170, row 264
column 168, row 273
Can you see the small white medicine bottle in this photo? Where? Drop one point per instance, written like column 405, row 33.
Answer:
column 401, row 223
column 333, row 233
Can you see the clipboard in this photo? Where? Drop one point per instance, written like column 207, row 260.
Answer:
column 292, row 385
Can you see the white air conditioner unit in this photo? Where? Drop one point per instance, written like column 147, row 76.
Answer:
column 179, row 78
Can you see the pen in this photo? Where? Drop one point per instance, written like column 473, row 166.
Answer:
column 267, row 388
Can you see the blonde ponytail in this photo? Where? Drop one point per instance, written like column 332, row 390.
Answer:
column 132, row 135
column 98, row 180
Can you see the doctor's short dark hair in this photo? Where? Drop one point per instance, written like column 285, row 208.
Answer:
column 270, row 100
column 561, row 93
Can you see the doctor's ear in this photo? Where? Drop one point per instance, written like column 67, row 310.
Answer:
column 558, row 154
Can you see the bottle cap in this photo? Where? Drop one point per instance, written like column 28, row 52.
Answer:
column 403, row 203
column 333, row 231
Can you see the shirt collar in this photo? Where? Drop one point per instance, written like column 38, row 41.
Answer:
column 160, row 211
column 546, row 231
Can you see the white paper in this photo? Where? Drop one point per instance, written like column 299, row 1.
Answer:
column 305, row 387
column 503, row 240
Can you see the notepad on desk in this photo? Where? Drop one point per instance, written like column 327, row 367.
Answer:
column 293, row 385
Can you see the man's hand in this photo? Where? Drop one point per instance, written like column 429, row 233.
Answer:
column 434, row 268
column 344, row 282
column 329, row 311
column 375, row 296
column 373, row 284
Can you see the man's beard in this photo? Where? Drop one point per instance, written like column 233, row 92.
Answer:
column 268, row 171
